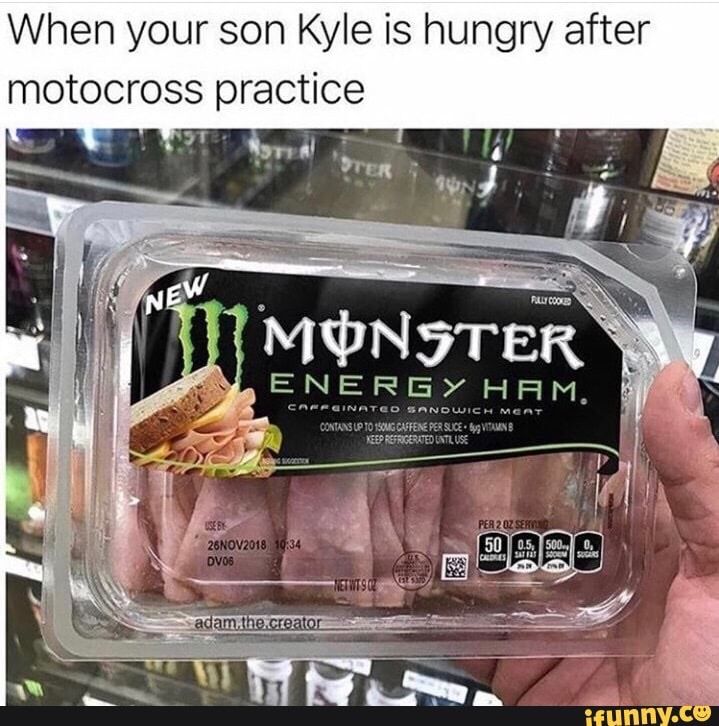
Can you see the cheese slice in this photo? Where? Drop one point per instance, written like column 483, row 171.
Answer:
column 159, row 452
column 218, row 412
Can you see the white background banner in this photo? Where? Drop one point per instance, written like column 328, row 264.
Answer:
column 365, row 64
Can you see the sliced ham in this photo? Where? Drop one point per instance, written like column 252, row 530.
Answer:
column 330, row 515
column 277, row 488
column 544, row 494
column 387, row 545
column 222, row 442
column 351, row 529
column 540, row 490
column 537, row 493
column 422, row 516
column 396, row 496
column 171, row 501
column 239, row 512
column 405, row 511
column 230, row 440
column 131, row 540
column 474, row 493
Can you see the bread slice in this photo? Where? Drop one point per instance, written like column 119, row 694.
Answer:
column 173, row 409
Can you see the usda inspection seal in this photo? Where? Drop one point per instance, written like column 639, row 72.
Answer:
column 412, row 570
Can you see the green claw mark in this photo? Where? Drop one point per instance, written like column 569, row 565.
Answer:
column 186, row 313
column 212, row 310
column 239, row 312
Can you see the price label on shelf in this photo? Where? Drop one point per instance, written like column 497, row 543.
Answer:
column 485, row 698
column 361, row 666
column 22, row 350
column 88, row 700
column 21, row 567
column 455, row 692
column 35, row 419
column 58, row 208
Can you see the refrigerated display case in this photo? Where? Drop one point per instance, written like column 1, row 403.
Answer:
column 442, row 179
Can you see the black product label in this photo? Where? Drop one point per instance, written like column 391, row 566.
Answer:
column 556, row 551
column 492, row 552
column 525, row 551
column 254, row 373
column 588, row 548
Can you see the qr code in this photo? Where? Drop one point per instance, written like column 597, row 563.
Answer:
column 455, row 567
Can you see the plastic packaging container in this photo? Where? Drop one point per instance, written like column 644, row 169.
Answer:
column 318, row 439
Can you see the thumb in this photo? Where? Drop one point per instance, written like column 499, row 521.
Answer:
column 681, row 445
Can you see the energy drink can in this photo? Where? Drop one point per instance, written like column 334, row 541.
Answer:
column 33, row 141
column 110, row 147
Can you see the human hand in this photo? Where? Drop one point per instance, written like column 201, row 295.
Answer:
column 685, row 668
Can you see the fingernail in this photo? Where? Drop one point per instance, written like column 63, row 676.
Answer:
column 692, row 395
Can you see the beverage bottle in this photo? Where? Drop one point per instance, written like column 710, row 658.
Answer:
column 457, row 180
column 269, row 681
column 568, row 196
column 33, row 141
column 369, row 175
column 111, row 148
column 380, row 694
column 480, row 144
column 275, row 174
column 328, row 685
column 213, row 677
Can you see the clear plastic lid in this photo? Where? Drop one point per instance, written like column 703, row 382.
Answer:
column 287, row 436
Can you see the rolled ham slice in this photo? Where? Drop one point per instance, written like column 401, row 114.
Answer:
column 171, row 499
column 330, row 515
column 474, row 492
column 240, row 572
column 422, row 517
column 540, row 489
column 217, row 443
column 131, row 539
column 277, row 488
column 226, row 442
column 387, row 544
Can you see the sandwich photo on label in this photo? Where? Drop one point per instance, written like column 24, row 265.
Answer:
column 201, row 423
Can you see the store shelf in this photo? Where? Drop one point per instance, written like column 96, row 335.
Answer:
column 23, row 553
column 28, row 364
column 706, row 341
column 42, row 188
column 133, row 685
column 140, row 167
column 342, row 175
column 21, row 566
column 22, row 393
column 23, row 544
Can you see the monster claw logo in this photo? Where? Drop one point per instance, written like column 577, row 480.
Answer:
column 213, row 310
